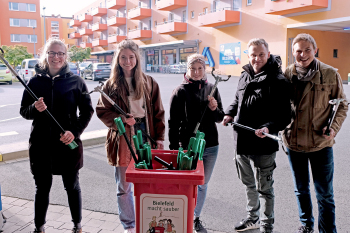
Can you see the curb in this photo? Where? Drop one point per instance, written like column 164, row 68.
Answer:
column 19, row 151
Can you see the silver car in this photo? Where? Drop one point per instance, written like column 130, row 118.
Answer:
column 97, row 71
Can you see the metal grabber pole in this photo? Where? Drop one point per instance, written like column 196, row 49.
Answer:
column 71, row 145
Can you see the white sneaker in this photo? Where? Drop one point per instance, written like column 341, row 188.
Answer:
column 130, row 230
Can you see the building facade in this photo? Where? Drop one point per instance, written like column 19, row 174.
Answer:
column 170, row 30
column 21, row 24
column 57, row 27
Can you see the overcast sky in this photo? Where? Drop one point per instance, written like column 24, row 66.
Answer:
column 65, row 8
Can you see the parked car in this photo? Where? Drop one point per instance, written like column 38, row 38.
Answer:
column 82, row 67
column 97, row 71
column 5, row 74
column 177, row 69
column 73, row 67
column 27, row 69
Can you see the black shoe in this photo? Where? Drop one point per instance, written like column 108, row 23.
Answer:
column 305, row 229
column 198, row 227
column 38, row 231
column 77, row 230
column 247, row 224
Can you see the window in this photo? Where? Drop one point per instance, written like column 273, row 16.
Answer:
column 249, row 2
column 68, row 35
column 192, row 14
column 206, row 10
column 184, row 16
column 100, row 4
column 32, row 39
column 54, row 24
column 155, row 24
column 68, row 25
column 55, row 36
column 155, row 2
column 13, row 6
column 31, row 7
column 15, row 38
column 335, row 53
column 14, row 22
column 31, row 22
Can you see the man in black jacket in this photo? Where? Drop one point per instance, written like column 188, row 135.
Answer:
column 261, row 102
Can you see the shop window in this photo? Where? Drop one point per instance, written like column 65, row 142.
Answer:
column 335, row 53
column 185, row 52
column 169, row 57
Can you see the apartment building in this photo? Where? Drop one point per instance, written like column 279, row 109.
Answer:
column 21, row 24
column 58, row 27
column 170, row 30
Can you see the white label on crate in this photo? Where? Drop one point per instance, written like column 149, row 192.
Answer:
column 163, row 213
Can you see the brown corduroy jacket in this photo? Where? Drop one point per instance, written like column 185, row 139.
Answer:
column 310, row 116
column 118, row 153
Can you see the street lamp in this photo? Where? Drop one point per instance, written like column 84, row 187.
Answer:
column 34, row 40
column 44, row 26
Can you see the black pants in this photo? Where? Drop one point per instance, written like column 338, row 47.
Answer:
column 43, row 182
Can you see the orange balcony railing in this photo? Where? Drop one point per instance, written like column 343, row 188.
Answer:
column 219, row 17
column 138, row 34
column 99, row 11
column 74, row 23
column 86, row 18
column 284, row 7
column 171, row 28
column 139, row 13
column 115, row 39
column 116, row 4
column 99, row 42
column 85, row 31
column 168, row 5
column 75, row 35
column 116, row 21
column 85, row 45
column 99, row 27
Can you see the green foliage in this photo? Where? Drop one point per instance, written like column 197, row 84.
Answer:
column 79, row 54
column 15, row 54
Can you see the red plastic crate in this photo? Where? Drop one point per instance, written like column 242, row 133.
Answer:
column 163, row 195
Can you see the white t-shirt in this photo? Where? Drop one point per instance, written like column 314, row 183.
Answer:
column 136, row 106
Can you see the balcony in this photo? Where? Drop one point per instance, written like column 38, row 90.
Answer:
column 99, row 42
column 116, row 21
column 74, row 35
column 138, row 34
column 74, row 23
column 115, row 39
column 116, row 4
column 85, row 31
column 99, row 27
column 219, row 17
column 171, row 28
column 168, row 5
column 86, row 18
column 99, row 11
column 85, row 45
column 283, row 7
column 139, row 13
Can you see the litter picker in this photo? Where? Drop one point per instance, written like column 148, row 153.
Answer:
column 335, row 103
column 253, row 130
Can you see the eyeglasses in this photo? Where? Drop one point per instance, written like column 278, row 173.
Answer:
column 53, row 54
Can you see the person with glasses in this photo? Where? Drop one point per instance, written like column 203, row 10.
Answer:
column 138, row 95
column 62, row 94
column 187, row 104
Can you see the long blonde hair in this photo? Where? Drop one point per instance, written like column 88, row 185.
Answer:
column 51, row 41
column 117, row 75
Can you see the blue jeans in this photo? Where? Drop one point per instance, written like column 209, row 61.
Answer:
column 125, row 199
column 209, row 159
column 322, row 169
column 256, row 173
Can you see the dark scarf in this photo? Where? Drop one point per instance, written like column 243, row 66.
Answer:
column 306, row 74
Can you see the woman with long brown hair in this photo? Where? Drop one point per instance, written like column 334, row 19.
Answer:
column 138, row 95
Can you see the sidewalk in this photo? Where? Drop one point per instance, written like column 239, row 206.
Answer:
column 20, row 214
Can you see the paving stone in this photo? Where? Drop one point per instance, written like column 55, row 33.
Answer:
column 54, row 230
column 86, row 213
column 6, row 206
column 54, row 224
column 53, row 216
column 26, row 211
column 64, row 218
column 30, row 204
column 88, row 229
column 106, row 231
column 20, row 219
column 66, row 226
column 109, row 225
column 97, row 215
column 8, row 200
column 65, row 211
column 56, row 208
column 85, row 220
column 111, row 218
column 19, row 202
column 94, row 223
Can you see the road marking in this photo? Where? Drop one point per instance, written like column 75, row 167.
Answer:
column 10, row 119
column 8, row 133
column 7, row 105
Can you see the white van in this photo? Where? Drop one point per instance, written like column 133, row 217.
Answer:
column 27, row 69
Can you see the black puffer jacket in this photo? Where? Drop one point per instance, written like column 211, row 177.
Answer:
column 261, row 101
column 187, row 105
column 63, row 97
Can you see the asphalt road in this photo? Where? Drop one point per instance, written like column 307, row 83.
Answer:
column 225, row 204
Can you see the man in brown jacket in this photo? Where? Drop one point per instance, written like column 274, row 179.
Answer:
column 314, row 84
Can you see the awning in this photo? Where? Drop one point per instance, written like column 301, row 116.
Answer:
column 173, row 44
column 103, row 52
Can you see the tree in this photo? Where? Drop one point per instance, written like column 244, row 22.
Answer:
column 79, row 54
column 15, row 54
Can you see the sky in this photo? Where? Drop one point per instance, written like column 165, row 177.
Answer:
column 65, row 8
